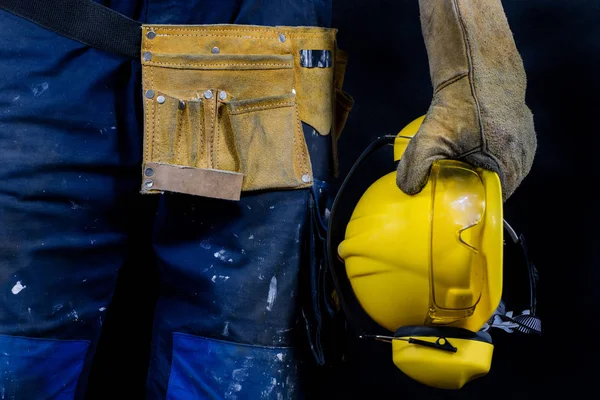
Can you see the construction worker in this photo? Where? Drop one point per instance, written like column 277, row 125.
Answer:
column 228, row 112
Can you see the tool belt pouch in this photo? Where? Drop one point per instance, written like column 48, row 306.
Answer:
column 223, row 106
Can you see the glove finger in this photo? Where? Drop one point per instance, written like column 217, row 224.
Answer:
column 415, row 164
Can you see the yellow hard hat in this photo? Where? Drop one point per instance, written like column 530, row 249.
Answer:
column 428, row 267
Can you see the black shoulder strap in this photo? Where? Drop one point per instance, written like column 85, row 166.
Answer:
column 83, row 20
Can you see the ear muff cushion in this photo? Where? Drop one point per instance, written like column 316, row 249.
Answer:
column 443, row 331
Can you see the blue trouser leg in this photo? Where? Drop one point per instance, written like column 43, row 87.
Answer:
column 228, row 323
column 69, row 156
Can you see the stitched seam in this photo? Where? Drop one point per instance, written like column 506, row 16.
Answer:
column 177, row 132
column 180, row 141
column 157, row 129
column 242, row 109
column 291, row 36
column 471, row 71
column 315, row 36
column 202, row 133
column 321, row 31
column 467, row 153
column 308, row 35
column 153, row 132
column 305, row 35
column 214, row 35
column 290, row 65
column 300, row 132
column 450, row 81
column 211, row 133
column 218, row 134
column 214, row 29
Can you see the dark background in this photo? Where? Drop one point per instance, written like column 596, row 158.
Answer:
column 555, row 208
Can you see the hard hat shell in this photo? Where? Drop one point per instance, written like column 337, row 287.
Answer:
column 429, row 259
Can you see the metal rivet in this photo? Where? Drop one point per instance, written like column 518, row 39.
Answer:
column 222, row 95
column 147, row 56
column 215, row 50
column 151, row 35
column 281, row 37
column 160, row 99
column 148, row 183
column 181, row 104
column 293, row 90
column 150, row 93
column 149, row 172
column 208, row 94
column 305, row 178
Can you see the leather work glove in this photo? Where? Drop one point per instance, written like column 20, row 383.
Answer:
column 478, row 112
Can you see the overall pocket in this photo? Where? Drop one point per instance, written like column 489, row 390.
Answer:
column 206, row 368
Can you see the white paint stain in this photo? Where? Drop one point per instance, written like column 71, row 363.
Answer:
column 280, row 356
column 56, row 308
column 266, row 394
column 226, row 329
column 238, row 376
column 221, row 256
column 206, row 269
column 85, row 280
column 251, row 237
column 219, row 253
column 17, row 97
column 39, row 88
column 249, row 208
column 272, row 207
column 261, row 277
column 17, row 288
column 272, row 293
column 221, row 277
column 205, row 244
column 102, row 309
column 75, row 206
column 73, row 314
column 93, row 241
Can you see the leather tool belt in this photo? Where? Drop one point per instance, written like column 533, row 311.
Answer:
column 223, row 104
